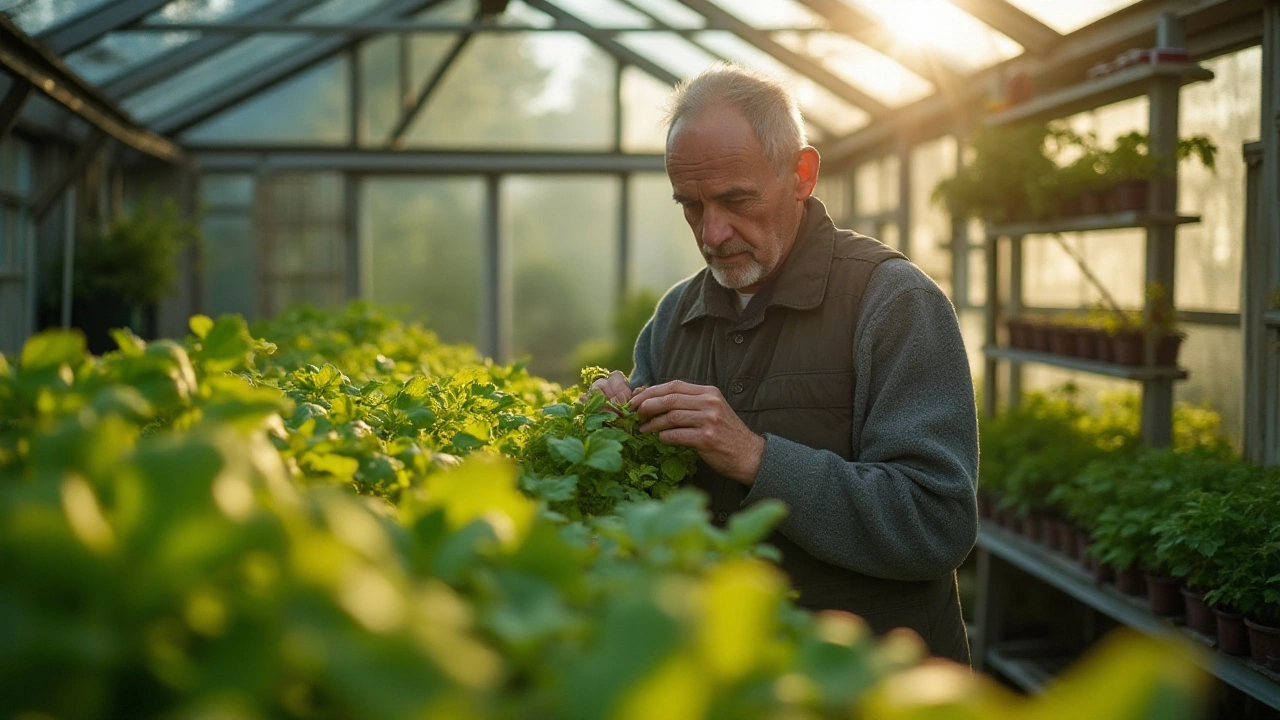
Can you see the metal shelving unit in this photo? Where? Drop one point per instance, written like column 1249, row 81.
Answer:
column 1024, row 662
column 1161, row 83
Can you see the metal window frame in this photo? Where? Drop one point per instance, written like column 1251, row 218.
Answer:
column 83, row 29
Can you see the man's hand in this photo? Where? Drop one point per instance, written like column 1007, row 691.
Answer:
column 699, row 417
column 615, row 388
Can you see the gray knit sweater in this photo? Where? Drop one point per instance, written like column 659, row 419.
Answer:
column 905, row 508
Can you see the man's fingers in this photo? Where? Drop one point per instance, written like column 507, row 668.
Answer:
column 674, row 419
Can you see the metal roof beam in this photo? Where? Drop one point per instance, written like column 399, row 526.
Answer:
column 25, row 59
column 606, row 43
column 81, row 30
column 72, row 172
column 396, row 138
column 871, row 32
column 1213, row 26
column 181, row 58
column 251, row 27
column 1034, row 36
column 658, row 24
column 243, row 87
column 225, row 158
column 806, row 66
column 12, row 104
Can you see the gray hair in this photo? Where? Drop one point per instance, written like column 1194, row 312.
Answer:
column 768, row 105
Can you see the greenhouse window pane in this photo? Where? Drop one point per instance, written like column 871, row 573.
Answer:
column 860, row 66
column 670, row 52
column 816, row 102
column 766, row 14
column 239, row 60
column 662, row 248
column 527, row 90
column 36, row 16
column 1067, row 17
column 425, row 249
column 309, row 108
column 604, row 13
column 554, row 227
column 963, row 41
column 644, row 100
column 671, row 13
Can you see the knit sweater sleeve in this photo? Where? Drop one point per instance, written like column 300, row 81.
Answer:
column 905, row 508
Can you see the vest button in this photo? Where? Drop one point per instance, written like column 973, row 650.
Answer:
column 722, row 516
column 737, row 338
column 736, row 387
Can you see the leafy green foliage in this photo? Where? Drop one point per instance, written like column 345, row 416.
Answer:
column 135, row 259
column 180, row 539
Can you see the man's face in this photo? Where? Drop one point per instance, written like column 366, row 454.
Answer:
column 744, row 216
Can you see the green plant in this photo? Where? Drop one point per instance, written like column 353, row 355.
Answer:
column 134, row 259
column 1130, row 158
column 1159, row 318
column 1012, row 175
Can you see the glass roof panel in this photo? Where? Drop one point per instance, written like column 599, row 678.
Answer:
column 517, row 13
column 859, row 65
column 117, row 53
column 604, row 13
column 671, row 13
column 243, row 58
column 963, row 41
column 114, row 54
column 772, row 13
column 1070, row 16
column 670, row 51
column 208, row 11
column 818, row 104
column 36, row 16
column 317, row 105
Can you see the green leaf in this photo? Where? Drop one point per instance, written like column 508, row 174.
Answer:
column 675, row 468
column 604, row 455
column 552, row 489
column 227, row 345
column 417, row 387
column 558, row 410
column 53, row 348
column 200, row 325
column 466, row 441
column 567, row 450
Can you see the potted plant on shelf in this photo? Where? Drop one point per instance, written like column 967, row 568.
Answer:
column 1083, row 183
column 1012, row 176
column 1129, row 167
column 121, row 271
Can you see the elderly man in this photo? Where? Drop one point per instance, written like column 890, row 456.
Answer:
column 812, row 365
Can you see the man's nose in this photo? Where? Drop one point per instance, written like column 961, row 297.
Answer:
column 715, row 228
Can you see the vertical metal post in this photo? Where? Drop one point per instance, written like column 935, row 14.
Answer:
column 904, row 197
column 1161, row 249
column 495, row 283
column 624, row 237
column 68, row 252
column 1269, row 221
column 354, row 272
column 618, row 109
column 990, row 319
column 406, row 69
column 355, row 108
column 1015, row 307
column 1253, row 307
column 959, row 246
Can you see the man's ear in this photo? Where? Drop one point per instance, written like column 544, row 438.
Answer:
column 807, row 164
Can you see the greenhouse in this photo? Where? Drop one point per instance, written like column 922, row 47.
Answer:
column 310, row 312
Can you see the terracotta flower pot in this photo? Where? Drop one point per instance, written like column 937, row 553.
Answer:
column 1199, row 616
column 1039, row 336
column 1094, row 202
column 1167, row 349
column 1103, row 572
column 1019, row 333
column 1104, row 347
column 1129, row 581
column 1127, row 347
column 1087, row 343
column 1233, row 637
column 1081, row 553
column 1129, row 195
column 1162, row 595
column 1062, row 341
column 1066, row 538
column 1264, row 643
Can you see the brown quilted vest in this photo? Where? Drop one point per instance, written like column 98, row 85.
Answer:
column 785, row 365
